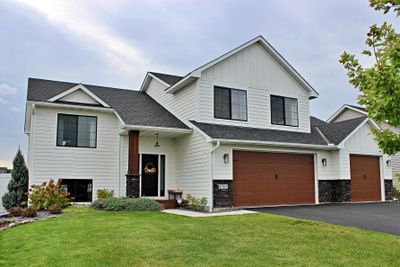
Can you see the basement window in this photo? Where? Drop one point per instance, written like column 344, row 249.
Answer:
column 80, row 189
column 76, row 131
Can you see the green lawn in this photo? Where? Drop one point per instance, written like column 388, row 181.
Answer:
column 86, row 237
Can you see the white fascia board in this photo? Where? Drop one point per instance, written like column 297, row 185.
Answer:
column 160, row 129
column 282, row 144
column 71, row 106
column 341, row 145
column 79, row 87
column 28, row 117
column 339, row 111
column 147, row 80
column 197, row 72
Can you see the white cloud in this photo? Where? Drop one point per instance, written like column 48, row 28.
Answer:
column 75, row 16
column 5, row 91
column 15, row 109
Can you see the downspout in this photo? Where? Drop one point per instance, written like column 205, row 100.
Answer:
column 212, row 174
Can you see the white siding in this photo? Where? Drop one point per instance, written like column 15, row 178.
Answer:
column 348, row 114
column 47, row 161
column 4, row 180
column 146, row 146
column 79, row 96
column 362, row 143
column 182, row 104
column 395, row 158
column 255, row 71
column 193, row 173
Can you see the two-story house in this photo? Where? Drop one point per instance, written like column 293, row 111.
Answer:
column 236, row 130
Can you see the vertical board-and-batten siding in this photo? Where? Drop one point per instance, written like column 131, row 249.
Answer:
column 362, row 143
column 255, row 71
column 182, row 104
column 48, row 161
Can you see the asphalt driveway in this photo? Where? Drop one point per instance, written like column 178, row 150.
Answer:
column 383, row 217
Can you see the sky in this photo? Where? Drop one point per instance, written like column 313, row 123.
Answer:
column 115, row 42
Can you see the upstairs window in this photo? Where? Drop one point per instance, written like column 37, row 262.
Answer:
column 284, row 111
column 230, row 104
column 76, row 131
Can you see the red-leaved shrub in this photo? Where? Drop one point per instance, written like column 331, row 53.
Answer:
column 43, row 196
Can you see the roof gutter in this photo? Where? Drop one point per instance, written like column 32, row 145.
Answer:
column 282, row 144
column 159, row 129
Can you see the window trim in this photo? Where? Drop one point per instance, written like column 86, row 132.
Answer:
column 230, row 104
column 75, row 115
column 284, row 110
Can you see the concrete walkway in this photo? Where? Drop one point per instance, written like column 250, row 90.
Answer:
column 195, row 214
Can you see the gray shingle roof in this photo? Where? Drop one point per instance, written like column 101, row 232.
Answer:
column 134, row 107
column 338, row 131
column 334, row 132
column 168, row 78
column 218, row 131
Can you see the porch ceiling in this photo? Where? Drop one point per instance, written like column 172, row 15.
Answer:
column 152, row 131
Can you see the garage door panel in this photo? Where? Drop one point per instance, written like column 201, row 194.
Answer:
column 365, row 178
column 262, row 178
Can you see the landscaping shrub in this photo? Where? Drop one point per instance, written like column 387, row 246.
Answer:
column 44, row 195
column 104, row 193
column 198, row 204
column 126, row 204
column 396, row 193
column 15, row 212
column 54, row 209
column 29, row 212
column 18, row 185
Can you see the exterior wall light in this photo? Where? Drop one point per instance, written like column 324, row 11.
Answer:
column 389, row 163
column 226, row 158
column 324, row 162
column 156, row 145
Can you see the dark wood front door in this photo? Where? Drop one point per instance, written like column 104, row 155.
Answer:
column 149, row 175
column 261, row 178
column 365, row 178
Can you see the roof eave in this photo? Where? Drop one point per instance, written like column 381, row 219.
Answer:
column 147, row 80
column 278, row 144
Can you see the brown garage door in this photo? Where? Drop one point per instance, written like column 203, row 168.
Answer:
column 272, row 178
column 365, row 178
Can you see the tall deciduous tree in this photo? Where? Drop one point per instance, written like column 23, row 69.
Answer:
column 379, row 84
column 18, row 185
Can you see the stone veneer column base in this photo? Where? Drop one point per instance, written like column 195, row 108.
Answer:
column 334, row 190
column 388, row 189
column 222, row 193
column 132, row 185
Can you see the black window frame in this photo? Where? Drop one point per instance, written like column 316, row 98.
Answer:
column 77, row 127
column 284, row 110
column 230, row 103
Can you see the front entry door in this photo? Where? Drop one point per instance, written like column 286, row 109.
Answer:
column 149, row 175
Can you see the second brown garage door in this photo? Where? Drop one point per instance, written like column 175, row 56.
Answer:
column 261, row 178
column 365, row 178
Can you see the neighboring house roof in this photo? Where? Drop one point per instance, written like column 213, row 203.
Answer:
column 359, row 109
column 168, row 78
column 195, row 74
column 133, row 107
column 338, row 131
column 322, row 133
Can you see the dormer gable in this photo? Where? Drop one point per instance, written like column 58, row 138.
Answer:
column 79, row 94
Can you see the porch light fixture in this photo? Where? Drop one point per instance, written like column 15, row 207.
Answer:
column 324, row 162
column 389, row 163
column 226, row 158
column 157, row 144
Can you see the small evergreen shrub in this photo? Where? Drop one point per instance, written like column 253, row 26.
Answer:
column 54, row 209
column 15, row 211
column 18, row 185
column 194, row 203
column 48, row 193
column 104, row 193
column 126, row 204
column 29, row 212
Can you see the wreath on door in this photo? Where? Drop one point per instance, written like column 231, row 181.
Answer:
column 150, row 169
